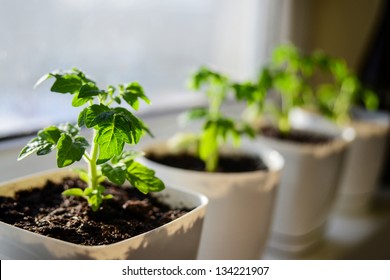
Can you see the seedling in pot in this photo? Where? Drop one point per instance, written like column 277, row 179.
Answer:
column 217, row 127
column 288, row 82
column 112, row 127
column 343, row 91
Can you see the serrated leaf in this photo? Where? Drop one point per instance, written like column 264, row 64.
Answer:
column 81, row 118
column 132, row 93
column 73, row 192
column 69, row 150
column 45, row 149
column 95, row 115
column 67, row 83
column 131, row 125
column 143, row 178
column 116, row 174
column 35, row 145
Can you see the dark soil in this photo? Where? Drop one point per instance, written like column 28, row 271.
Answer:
column 298, row 136
column 47, row 212
column 227, row 164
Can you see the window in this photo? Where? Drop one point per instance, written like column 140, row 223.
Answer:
column 157, row 43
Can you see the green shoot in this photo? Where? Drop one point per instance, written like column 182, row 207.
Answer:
column 112, row 127
column 216, row 127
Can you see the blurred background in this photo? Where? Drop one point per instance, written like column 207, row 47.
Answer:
column 159, row 43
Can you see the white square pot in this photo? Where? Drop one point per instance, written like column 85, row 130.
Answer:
column 178, row 239
column 240, row 204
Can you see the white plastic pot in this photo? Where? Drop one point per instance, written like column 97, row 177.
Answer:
column 364, row 162
column 240, row 204
column 308, row 184
column 178, row 239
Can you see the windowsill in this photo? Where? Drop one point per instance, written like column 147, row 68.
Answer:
column 359, row 236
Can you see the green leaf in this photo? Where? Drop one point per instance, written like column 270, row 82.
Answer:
column 204, row 77
column 69, row 150
column 81, row 118
column 339, row 68
column 143, row 178
column 126, row 157
column 286, row 56
column 37, row 145
column 70, row 129
column 45, row 149
column 245, row 91
column 116, row 174
column 77, row 101
column 50, row 134
column 66, row 83
column 132, row 93
column 73, row 192
column 94, row 201
column 371, row 100
column 95, row 115
column 123, row 127
column 134, row 127
column 192, row 115
column 111, row 139
column 89, row 90
column 88, row 191
column 101, row 119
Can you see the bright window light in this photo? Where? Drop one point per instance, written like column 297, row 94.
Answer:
column 158, row 43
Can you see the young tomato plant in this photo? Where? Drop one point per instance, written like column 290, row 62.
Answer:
column 288, row 82
column 336, row 97
column 216, row 127
column 112, row 127
column 286, row 77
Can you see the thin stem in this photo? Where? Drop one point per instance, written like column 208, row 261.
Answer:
column 92, row 167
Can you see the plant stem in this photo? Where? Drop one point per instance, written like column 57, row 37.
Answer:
column 215, row 104
column 92, row 167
